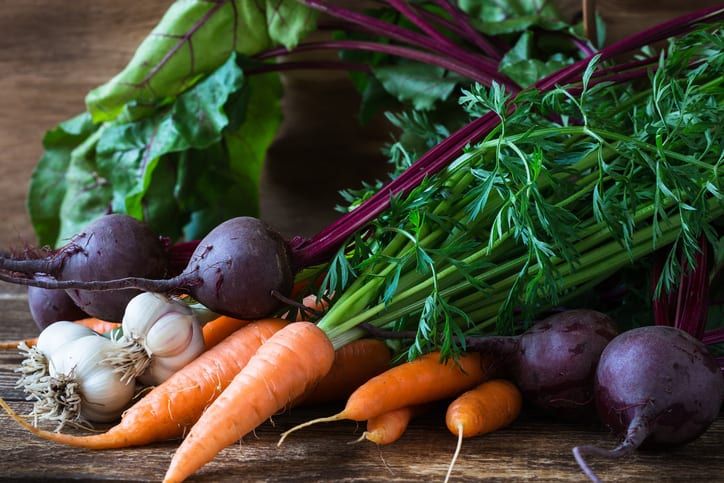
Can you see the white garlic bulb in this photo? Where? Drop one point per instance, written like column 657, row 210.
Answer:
column 83, row 388
column 58, row 334
column 35, row 362
column 160, row 336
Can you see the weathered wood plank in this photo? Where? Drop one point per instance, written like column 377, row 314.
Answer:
column 529, row 449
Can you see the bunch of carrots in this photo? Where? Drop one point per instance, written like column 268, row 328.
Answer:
column 224, row 394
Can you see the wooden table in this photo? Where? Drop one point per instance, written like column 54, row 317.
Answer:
column 532, row 448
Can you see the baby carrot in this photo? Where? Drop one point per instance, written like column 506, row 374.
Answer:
column 173, row 406
column 283, row 368
column 490, row 406
column 389, row 427
column 220, row 328
column 423, row 380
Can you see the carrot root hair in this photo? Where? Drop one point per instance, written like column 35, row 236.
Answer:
column 336, row 417
column 360, row 439
column 457, row 452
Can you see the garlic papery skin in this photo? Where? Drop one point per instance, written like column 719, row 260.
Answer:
column 170, row 335
column 145, row 309
column 162, row 368
column 35, row 361
column 58, row 334
column 157, row 332
column 81, row 387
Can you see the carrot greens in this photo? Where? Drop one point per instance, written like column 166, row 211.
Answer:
column 571, row 185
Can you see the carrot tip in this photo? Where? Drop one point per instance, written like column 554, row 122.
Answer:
column 457, row 452
column 336, row 417
column 360, row 439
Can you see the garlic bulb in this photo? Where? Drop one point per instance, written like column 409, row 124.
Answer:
column 58, row 334
column 35, row 363
column 82, row 387
column 160, row 336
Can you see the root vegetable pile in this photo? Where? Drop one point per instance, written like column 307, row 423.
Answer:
column 559, row 168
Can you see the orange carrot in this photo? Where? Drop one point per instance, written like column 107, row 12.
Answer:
column 11, row 345
column 97, row 325
column 389, row 427
column 490, row 406
column 170, row 408
column 291, row 361
column 219, row 329
column 354, row 364
column 423, row 380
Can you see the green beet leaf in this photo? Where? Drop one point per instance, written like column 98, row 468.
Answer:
column 87, row 193
column 519, row 64
column 495, row 18
column 129, row 153
column 47, row 184
column 420, row 84
column 192, row 39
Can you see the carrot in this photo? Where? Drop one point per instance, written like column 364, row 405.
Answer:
column 100, row 326
column 171, row 407
column 389, row 427
column 10, row 345
column 291, row 361
column 354, row 364
column 220, row 328
column 423, row 380
column 490, row 406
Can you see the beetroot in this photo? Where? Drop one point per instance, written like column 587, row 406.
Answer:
column 241, row 269
column 238, row 266
column 48, row 306
column 111, row 247
column 554, row 362
column 655, row 385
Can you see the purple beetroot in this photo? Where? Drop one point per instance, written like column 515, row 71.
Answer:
column 109, row 248
column 242, row 268
column 554, row 362
column 48, row 306
column 657, row 386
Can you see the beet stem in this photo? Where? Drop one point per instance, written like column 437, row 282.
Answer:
column 48, row 265
column 180, row 282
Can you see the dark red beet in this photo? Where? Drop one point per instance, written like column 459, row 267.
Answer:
column 240, row 263
column 48, row 306
column 241, row 269
column 656, row 385
column 110, row 248
column 556, row 360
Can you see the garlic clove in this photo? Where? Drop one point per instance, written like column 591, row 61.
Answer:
column 145, row 309
column 104, row 395
column 58, row 334
column 170, row 335
column 162, row 368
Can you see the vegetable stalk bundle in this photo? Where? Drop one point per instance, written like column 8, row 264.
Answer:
column 573, row 183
